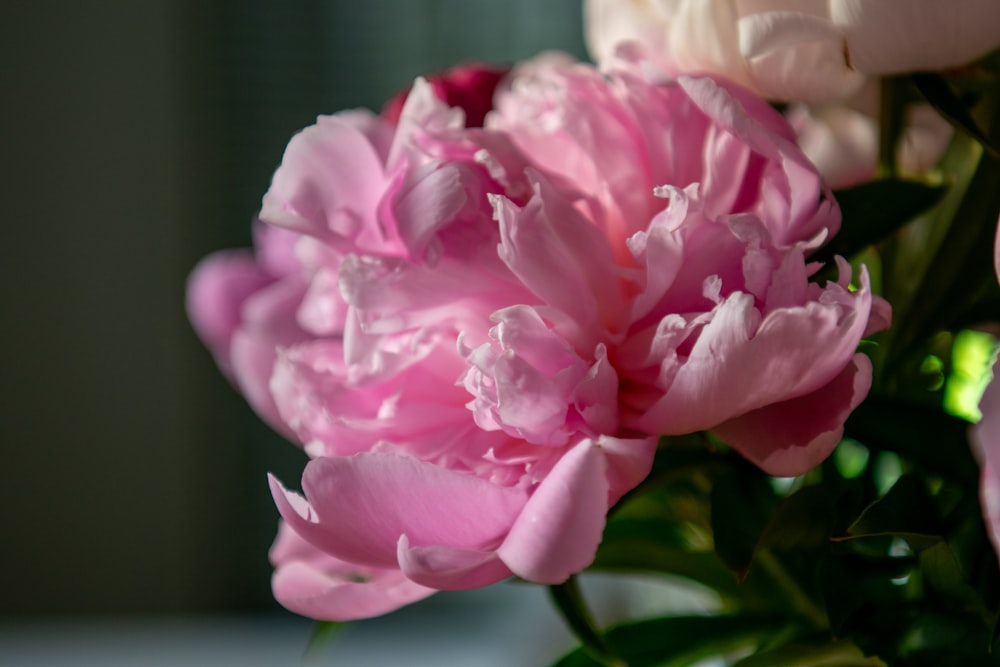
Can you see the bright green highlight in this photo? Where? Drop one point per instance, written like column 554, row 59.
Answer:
column 972, row 357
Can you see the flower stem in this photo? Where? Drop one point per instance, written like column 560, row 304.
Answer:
column 892, row 116
column 791, row 588
column 569, row 600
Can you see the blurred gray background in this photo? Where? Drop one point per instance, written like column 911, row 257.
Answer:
column 138, row 136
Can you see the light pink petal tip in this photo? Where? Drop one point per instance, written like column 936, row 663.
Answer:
column 315, row 584
column 557, row 533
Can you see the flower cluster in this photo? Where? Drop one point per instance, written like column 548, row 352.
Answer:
column 496, row 310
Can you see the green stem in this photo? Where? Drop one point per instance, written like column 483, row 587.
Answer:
column 320, row 639
column 791, row 588
column 892, row 112
column 571, row 605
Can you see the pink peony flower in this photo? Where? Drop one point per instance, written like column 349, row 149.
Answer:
column 486, row 330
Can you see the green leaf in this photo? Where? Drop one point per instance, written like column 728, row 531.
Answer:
column 891, row 121
column 945, row 657
column 933, row 440
column 873, row 211
column 569, row 601
column 852, row 581
column 802, row 520
column 907, row 511
column 742, row 501
column 683, row 459
column 952, row 639
column 944, row 576
column 940, row 95
column 656, row 545
column 836, row 654
column 958, row 272
column 676, row 641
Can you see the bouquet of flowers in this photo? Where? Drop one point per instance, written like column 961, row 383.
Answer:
column 721, row 307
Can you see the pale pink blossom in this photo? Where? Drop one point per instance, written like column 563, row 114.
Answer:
column 810, row 51
column 842, row 139
column 714, row 37
column 878, row 36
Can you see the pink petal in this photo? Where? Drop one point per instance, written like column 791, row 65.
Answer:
column 329, row 184
column 743, row 361
column 343, row 595
column 791, row 199
column 595, row 398
column 559, row 255
column 629, row 462
column 269, row 323
column 359, row 506
column 559, row 529
column 427, row 200
column 792, row 437
column 450, row 568
column 216, row 290
column 985, row 439
column 310, row 582
column 996, row 252
column 253, row 362
column 391, row 294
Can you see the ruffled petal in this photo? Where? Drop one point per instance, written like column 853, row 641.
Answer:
column 559, row 255
column 744, row 360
